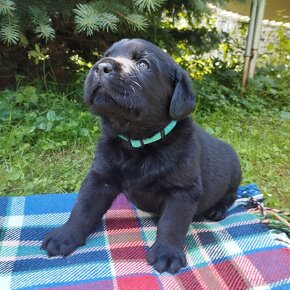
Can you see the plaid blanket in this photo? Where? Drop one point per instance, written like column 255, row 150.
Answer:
column 235, row 253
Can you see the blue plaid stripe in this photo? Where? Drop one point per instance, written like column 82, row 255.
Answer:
column 117, row 249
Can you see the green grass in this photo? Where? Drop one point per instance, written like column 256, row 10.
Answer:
column 47, row 144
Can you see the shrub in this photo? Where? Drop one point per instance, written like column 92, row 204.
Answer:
column 53, row 35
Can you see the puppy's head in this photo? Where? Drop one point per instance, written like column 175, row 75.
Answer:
column 137, row 86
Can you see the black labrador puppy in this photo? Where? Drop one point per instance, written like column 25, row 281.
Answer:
column 151, row 151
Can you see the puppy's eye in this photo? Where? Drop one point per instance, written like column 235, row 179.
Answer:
column 142, row 63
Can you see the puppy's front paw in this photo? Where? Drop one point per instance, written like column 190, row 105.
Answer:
column 166, row 258
column 62, row 241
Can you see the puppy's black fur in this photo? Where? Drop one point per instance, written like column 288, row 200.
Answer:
column 137, row 89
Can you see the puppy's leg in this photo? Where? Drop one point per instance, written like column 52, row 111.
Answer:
column 166, row 254
column 219, row 211
column 94, row 199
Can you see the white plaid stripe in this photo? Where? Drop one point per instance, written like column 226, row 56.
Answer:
column 13, row 220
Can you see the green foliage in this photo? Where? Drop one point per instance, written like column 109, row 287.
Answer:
column 7, row 7
column 9, row 28
column 9, row 33
column 269, row 89
column 87, row 28
column 31, row 119
column 38, row 54
column 92, row 17
column 89, row 17
column 46, row 148
column 271, row 85
column 104, row 15
column 278, row 52
column 149, row 5
column 43, row 28
column 205, row 50
column 36, row 134
column 48, row 134
column 29, row 17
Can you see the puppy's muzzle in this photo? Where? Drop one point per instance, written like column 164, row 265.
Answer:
column 98, row 77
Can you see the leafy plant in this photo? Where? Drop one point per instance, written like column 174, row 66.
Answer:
column 40, row 120
column 9, row 31
column 38, row 54
column 48, row 134
column 89, row 17
column 46, row 148
column 61, row 31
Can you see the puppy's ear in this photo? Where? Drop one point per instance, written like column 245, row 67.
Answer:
column 183, row 101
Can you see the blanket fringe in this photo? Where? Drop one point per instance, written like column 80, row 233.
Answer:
column 274, row 218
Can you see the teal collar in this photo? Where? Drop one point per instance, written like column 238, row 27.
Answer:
column 154, row 138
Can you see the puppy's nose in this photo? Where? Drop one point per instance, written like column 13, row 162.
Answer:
column 104, row 68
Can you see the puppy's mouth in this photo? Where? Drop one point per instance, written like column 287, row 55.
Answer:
column 104, row 103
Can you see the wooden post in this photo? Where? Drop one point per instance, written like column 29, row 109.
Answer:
column 253, row 39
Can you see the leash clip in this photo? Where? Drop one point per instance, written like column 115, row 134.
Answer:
column 257, row 205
